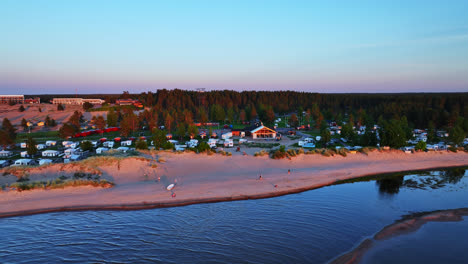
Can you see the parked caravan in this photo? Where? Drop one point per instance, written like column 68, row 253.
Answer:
column 51, row 143
column 101, row 150
column 24, row 162
column 45, row 161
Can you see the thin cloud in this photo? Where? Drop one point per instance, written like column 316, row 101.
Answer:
column 426, row 40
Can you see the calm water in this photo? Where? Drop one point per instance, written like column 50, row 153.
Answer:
column 310, row 227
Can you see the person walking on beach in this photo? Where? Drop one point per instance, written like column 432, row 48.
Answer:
column 289, row 171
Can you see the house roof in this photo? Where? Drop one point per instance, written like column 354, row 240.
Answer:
column 262, row 127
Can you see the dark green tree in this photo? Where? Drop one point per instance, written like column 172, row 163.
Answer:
column 203, row 146
column 393, row 135
column 369, row 138
column 456, row 135
column 421, row 145
column 87, row 106
column 60, row 107
column 67, row 130
column 5, row 139
column 293, row 121
column 159, row 138
column 192, row 131
column 141, row 144
column 431, row 134
column 8, row 127
column 24, row 124
column 87, row 145
column 325, row 137
column 347, row 131
column 181, row 130
column 21, row 108
column 31, row 146
column 112, row 118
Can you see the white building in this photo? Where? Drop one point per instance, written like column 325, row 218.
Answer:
column 6, row 153
column 226, row 135
column 69, row 144
column 6, row 99
column 180, row 147
column 69, row 151
column 192, row 143
column 24, row 154
column 71, row 158
column 126, row 143
column 76, row 101
column 24, row 162
column 40, row 146
column 51, row 143
column 101, row 150
column 212, row 142
column 45, row 161
column 50, row 153
column 123, row 149
column 108, row 144
column 228, row 143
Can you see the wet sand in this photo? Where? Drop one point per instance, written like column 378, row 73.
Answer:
column 203, row 179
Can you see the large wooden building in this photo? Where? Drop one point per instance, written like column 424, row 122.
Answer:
column 263, row 132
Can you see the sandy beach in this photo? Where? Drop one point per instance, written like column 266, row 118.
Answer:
column 201, row 178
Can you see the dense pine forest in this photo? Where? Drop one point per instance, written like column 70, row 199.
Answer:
column 422, row 110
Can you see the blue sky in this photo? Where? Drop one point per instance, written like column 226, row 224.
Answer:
column 318, row 46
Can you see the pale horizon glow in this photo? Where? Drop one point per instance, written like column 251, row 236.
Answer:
column 59, row 47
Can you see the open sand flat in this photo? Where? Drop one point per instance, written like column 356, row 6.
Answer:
column 32, row 113
column 203, row 178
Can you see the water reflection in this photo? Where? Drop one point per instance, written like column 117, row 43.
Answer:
column 390, row 185
column 454, row 175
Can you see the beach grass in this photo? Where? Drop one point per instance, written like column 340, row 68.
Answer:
column 60, row 184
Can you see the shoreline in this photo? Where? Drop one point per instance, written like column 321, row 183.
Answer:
column 85, row 199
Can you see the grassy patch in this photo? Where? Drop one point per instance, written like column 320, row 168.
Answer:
column 224, row 153
column 260, row 153
column 60, row 184
column 261, row 145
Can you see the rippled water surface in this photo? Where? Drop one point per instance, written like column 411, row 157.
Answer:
column 314, row 226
